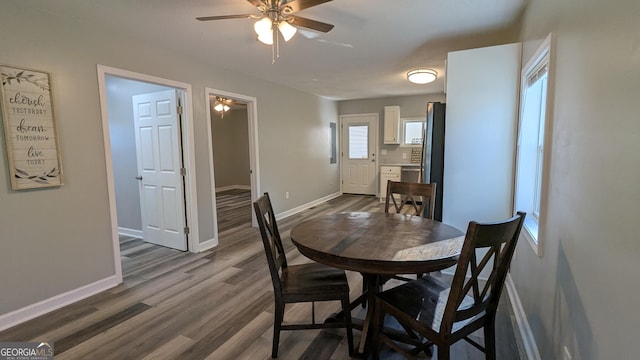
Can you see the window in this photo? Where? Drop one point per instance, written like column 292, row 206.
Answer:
column 531, row 141
column 358, row 141
column 412, row 131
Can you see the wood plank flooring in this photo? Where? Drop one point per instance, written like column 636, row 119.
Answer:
column 213, row 305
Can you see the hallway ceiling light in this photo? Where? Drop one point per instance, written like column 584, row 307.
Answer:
column 422, row 76
column 221, row 106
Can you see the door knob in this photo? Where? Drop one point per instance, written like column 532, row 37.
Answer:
column 139, row 177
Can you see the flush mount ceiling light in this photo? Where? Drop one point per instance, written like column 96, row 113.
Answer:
column 422, row 76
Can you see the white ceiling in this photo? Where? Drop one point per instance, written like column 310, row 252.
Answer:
column 366, row 55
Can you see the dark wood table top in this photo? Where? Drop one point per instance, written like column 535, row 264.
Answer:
column 379, row 243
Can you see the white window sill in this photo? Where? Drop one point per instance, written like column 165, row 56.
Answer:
column 530, row 232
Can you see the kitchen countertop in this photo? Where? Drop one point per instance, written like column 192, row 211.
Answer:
column 402, row 165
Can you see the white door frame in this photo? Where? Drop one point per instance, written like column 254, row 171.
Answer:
column 376, row 144
column 252, row 119
column 188, row 150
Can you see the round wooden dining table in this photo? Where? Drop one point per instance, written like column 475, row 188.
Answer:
column 378, row 244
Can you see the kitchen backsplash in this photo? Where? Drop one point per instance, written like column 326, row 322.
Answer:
column 395, row 154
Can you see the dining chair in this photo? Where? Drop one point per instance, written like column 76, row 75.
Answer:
column 432, row 312
column 418, row 199
column 412, row 198
column 299, row 283
column 407, row 198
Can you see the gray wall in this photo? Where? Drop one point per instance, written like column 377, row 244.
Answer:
column 59, row 239
column 231, row 148
column 123, row 147
column 583, row 292
column 480, row 134
column 410, row 107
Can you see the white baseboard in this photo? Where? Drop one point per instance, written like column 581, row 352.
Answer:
column 130, row 232
column 306, row 206
column 40, row 308
column 530, row 346
column 233, row 187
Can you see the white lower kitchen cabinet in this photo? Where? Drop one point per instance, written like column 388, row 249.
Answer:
column 388, row 173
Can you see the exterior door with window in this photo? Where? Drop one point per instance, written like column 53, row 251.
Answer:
column 158, row 150
column 359, row 147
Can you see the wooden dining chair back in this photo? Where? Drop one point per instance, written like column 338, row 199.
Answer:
column 299, row 283
column 445, row 314
column 411, row 198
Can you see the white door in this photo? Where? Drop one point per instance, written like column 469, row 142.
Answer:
column 359, row 144
column 158, row 151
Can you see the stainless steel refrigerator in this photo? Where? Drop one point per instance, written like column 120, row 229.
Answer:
column 432, row 163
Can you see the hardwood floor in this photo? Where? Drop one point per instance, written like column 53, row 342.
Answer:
column 213, row 305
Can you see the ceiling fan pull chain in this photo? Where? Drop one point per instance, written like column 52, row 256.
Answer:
column 276, row 31
column 274, row 44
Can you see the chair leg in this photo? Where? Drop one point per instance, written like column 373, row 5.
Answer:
column 346, row 309
column 443, row 351
column 278, row 317
column 490, row 340
column 364, row 291
column 378, row 321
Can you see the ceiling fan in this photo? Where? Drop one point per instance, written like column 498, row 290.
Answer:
column 278, row 17
column 223, row 104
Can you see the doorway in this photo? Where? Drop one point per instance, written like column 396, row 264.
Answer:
column 359, row 134
column 233, row 144
column 117, row 88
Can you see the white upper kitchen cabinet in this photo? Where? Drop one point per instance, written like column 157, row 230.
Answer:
column 480, row 136
column 392, row 124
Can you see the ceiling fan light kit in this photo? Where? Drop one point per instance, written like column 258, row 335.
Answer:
column 277, row 19
column 287, row 30
column 422, row 76
column 262, row 26
column 221, row 106
column 264, row 29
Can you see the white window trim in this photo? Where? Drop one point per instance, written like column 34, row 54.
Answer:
column 402, row 122
column 534, row 226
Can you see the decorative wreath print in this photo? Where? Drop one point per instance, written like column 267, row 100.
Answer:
column 40, row 179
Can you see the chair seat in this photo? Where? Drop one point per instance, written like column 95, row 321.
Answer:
column 315, row 281
column 417, row 298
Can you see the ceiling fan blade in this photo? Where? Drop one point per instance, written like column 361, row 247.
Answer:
column 297, row 5
column 222, row 17
column 310, row 24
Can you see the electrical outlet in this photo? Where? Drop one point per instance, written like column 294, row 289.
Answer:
column 566, row 355
column 286, row 195
column 404, row 155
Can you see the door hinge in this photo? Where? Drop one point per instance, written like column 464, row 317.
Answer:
column 179, row 108
column 183, row 171
column 186, row 230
